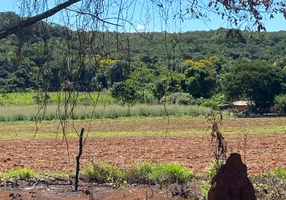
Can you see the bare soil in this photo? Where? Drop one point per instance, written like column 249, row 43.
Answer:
column 260, row 152
column 99, row 192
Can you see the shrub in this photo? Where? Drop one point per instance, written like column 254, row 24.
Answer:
column 181, row 98
column 280, row 102
column 210, row 103
column 147, row 97
column 214, row 101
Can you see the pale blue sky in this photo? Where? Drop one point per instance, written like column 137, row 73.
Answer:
column 149, row 18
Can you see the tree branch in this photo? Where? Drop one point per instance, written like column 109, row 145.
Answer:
column 32, row 20
column 94, row 16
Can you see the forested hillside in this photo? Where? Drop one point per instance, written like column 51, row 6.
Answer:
column 218, row 65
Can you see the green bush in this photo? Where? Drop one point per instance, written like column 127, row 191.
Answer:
column 180, row 98
column 280, row 102
column 147, row 97
column 214, row 101
column 210, row 103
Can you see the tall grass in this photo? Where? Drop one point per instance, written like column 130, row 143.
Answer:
column 28, row 112
column 145, row 172
column 22, row 173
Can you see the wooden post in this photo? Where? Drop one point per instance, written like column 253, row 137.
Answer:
column 78, row 159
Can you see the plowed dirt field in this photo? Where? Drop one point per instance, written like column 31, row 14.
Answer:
column 261, row 142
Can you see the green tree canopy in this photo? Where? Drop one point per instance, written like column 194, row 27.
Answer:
column 255, row 80
column 200, row 78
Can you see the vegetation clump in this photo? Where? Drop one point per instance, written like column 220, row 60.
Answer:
column 22, row 173
column 142, row 173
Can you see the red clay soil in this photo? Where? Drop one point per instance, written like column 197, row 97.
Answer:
column 261, row 152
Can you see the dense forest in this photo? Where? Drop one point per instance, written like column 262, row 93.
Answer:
column 200, row 67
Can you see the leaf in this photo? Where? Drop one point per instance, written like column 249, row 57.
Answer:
column 210, row 4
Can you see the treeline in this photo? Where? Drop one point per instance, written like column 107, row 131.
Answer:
column 201, row 67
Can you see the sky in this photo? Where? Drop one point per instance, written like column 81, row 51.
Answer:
column 147, row 17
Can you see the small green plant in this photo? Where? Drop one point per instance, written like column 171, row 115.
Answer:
column 171, row 173
column 103, row 173
column 22, row 173
column 280, row 173
column 213, row 168
column 141, row 173
column 211, row 171
column 205, row 190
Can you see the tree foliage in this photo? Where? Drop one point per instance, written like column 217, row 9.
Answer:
column 50, row 57
column 255, row 80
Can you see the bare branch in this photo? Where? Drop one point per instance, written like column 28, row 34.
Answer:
column 93, row 16
column 32, row 20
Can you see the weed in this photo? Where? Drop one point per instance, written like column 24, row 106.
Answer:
column 269, row 186
column 103, row 173
column 146, row 173
column 141, row 173
column 213, row 168
column 205, row 190
column 22, row 173
column 280, row 173
column 211, row 171
column 171, row 173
